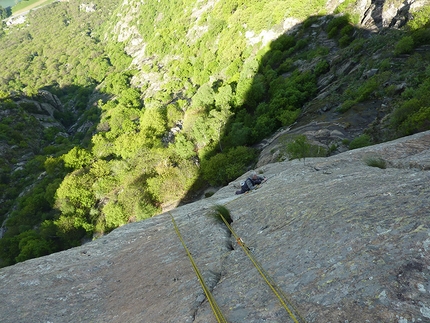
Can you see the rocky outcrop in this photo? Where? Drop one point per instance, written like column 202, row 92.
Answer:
column 378, row 14
column 43, row 107
column 346, row 242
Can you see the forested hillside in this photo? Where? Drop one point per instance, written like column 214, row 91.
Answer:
column 153, row 101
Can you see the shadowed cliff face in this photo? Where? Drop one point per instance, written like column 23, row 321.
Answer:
column 345, row 241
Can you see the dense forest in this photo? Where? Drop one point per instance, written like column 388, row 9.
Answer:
column 159, row 100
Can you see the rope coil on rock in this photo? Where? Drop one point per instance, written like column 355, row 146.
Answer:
column 215, row 308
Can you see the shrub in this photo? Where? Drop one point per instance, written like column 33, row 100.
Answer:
column 299, row 148
column 357, row 45
column 173, row 114
column 317, row 52
column 286, row 66
column 239, row 135
column 287, row 117
column 347, row 30
column 421, row 19
column 283, row 43
column 346, row 142
column 308, row 22
column 376, row 162
column 385, row 65
column 183, row 147
column 343, row 6
column 168, row 186
column 416, row 122
column 363, row 93
column 346, row 105
column 361, row 141
column 77, row 158
column 219, row 212
column 270, row 74
column 366, row 90
column 264, row 126
column 274, row 58
column 223, row 167
column 332, row 32
column 404, row 46
column 345, row 40
column 391, row 90
column 322, row 67
column 302, row 43
column 332, row 149
column 209, row 194
column 400, row 114
column 336, row 24
column 114, row 215
column 421, row 37
column 32, row 245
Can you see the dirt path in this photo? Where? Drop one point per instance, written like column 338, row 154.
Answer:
column 25, row 10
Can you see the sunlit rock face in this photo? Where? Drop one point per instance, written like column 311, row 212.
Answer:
column 345, row 240
column 376, row 14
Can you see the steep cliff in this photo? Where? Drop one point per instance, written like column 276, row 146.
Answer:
column 205, row 80
column 346, row 242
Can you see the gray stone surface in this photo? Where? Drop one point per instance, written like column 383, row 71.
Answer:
column 345, row 241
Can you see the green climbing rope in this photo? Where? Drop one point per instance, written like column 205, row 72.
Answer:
column 291, row 310
column 215, row 308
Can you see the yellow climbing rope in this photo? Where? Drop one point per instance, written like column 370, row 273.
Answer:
column 215, row 308
column 297, row 318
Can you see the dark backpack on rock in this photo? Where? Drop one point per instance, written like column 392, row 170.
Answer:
column 244, row 187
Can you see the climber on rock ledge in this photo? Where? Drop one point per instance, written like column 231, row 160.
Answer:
column 251, row 183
